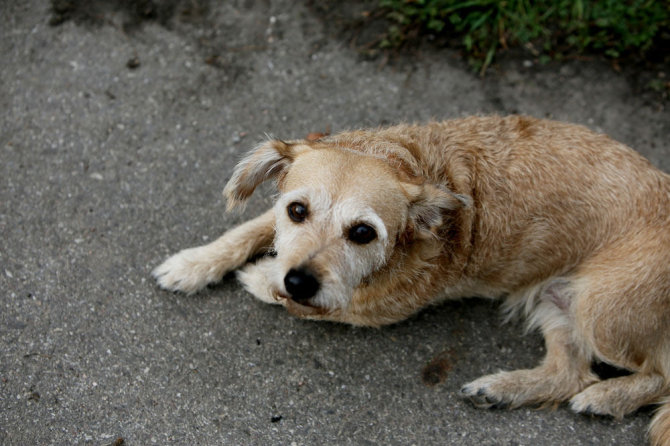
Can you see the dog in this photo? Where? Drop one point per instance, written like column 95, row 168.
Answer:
column 569, row 227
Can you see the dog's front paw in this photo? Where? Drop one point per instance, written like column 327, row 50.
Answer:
column 188, row 271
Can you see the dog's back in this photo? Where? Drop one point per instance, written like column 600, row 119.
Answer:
column 546, row 195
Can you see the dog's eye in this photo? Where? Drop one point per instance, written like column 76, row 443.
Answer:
column 362, row 234
column 297, row 212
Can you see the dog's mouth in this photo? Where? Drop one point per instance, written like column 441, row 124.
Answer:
column 300, row 309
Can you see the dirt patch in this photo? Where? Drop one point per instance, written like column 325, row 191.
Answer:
column 437, row 370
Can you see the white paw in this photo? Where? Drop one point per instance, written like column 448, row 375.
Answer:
column 188, row 271
column 257, row 279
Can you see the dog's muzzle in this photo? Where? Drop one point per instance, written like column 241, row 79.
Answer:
column 301, row 284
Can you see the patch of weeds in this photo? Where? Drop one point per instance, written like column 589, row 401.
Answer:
column 660, row 85
column 550, row 29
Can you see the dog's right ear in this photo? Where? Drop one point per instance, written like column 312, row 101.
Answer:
column 266, row 161
column 428, row 205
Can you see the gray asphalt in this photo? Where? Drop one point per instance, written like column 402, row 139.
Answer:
column 117, row 134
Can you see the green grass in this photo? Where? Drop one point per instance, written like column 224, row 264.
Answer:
column 551, row 29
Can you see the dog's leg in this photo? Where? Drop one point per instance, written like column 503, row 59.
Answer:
column 623, row 313
column 564, row 372
column 192, row 269
column 619, row 396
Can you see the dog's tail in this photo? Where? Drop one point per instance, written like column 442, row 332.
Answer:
column 659, row 431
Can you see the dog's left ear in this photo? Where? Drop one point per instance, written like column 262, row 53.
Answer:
column 428, row 204
column 266, row 161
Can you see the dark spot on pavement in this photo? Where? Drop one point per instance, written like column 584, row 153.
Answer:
column 435, row 372
column 133, row 63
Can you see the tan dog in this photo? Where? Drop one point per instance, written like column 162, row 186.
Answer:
column 571, row 228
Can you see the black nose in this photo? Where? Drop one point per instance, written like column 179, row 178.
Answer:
column 301, row 284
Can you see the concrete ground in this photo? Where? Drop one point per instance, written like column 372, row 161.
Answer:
column 118, row 129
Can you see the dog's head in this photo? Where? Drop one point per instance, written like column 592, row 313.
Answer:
column 340, row 216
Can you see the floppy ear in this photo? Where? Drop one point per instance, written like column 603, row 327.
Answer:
column 428, row 204
column 264, row 162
